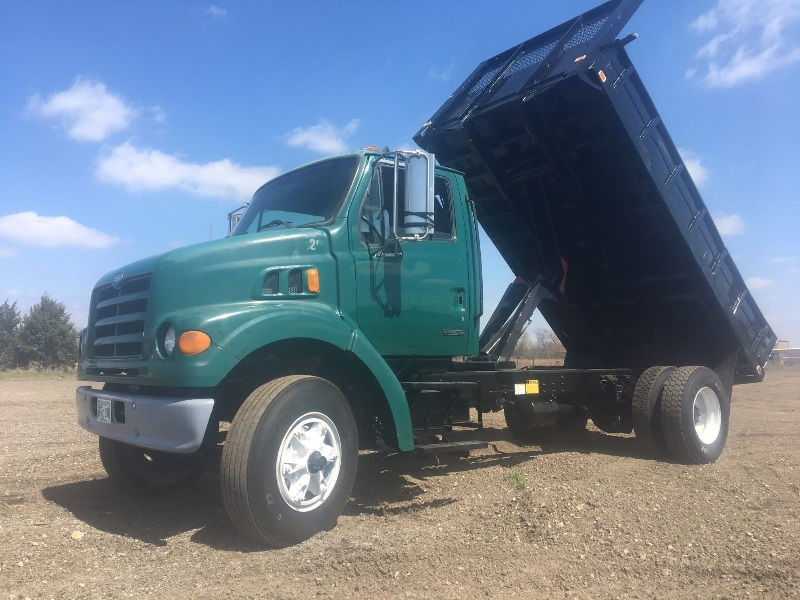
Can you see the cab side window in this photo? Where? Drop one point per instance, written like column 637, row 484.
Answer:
column 442, row 209
column 376, row 213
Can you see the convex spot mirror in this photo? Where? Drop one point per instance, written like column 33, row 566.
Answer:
column 416, row 220
column 235, row 216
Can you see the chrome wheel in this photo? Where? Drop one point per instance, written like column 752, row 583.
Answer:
column 707, row 415
column 309, row 460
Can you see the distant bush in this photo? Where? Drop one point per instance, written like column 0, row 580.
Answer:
column 542, row 344
column 10, row 320
column 44, row 338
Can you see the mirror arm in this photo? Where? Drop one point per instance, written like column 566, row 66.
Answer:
column 394, row 196
column 395, row 252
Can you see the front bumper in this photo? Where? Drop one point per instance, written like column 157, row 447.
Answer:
column 155, row 422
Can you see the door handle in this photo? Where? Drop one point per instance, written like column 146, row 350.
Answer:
column 461, row 303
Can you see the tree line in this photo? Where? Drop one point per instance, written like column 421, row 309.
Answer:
column 44, row 337
column 542, row 343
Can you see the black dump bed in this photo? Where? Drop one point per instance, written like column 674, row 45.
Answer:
column 579, row 185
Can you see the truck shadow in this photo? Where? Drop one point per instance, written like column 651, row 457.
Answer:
column 393, row 484
column 549, row 441
column 387, row 485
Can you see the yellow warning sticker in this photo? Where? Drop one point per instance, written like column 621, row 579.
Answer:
column 529, row 387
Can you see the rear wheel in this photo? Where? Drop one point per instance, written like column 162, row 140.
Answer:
column 134, row 468
column 290, row 460
column 695, row 415
column 646, row 404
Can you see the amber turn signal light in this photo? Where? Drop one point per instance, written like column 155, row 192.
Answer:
column 194, row 342
column 312, row 280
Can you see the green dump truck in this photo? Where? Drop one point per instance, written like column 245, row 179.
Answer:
column 343, row 311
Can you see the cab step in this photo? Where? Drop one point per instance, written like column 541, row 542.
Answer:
column 450, row 447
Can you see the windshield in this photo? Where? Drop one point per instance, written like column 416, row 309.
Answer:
column 308, row 195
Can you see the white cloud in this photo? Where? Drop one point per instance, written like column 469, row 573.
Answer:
column 748, row 39
column 440, row 73
column 216, row 11
column 790, row 263
column 729, row 225
column 785, row 260
column 148, row 169
column 87, row 110
column 694, row 164
column 758, row 283
column 7, row 252
column 31, row 229
column 324, row 137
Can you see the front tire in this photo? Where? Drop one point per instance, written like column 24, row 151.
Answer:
column 695, row 415
column 290, row 460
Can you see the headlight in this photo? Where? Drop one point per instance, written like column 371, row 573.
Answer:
column 168, row 343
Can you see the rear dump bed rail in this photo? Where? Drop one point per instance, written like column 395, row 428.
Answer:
column 579, row 185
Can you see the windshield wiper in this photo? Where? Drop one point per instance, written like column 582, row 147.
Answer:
column 275, row 223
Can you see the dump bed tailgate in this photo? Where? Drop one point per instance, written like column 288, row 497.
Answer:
column 578, row 183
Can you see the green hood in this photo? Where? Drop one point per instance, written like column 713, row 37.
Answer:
column 229, row 271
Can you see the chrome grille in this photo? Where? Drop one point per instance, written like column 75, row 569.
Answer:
column 117, row 316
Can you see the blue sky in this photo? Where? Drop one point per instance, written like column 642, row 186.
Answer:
column 132, row 128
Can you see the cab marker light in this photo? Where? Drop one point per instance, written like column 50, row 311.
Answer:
column 312, row 281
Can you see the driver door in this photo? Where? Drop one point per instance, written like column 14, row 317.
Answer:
column 410, row 295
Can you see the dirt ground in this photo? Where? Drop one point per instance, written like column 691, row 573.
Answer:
column 589, row 517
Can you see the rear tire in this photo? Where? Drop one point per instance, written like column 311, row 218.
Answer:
column 646, row 405
column 290, row 460
column 132, row 468
column 695, row 415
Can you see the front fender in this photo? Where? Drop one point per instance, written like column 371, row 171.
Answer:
column 238, row 330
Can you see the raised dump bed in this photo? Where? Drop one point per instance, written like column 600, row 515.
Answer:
column 579, row 185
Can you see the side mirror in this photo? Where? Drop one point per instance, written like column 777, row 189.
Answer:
column 416, row 218
column 235, row 216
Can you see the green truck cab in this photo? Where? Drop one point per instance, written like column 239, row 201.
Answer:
column 310, row 281
column 343, row 311
column 314, row 279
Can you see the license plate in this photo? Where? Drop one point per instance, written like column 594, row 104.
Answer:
column 104, row 410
